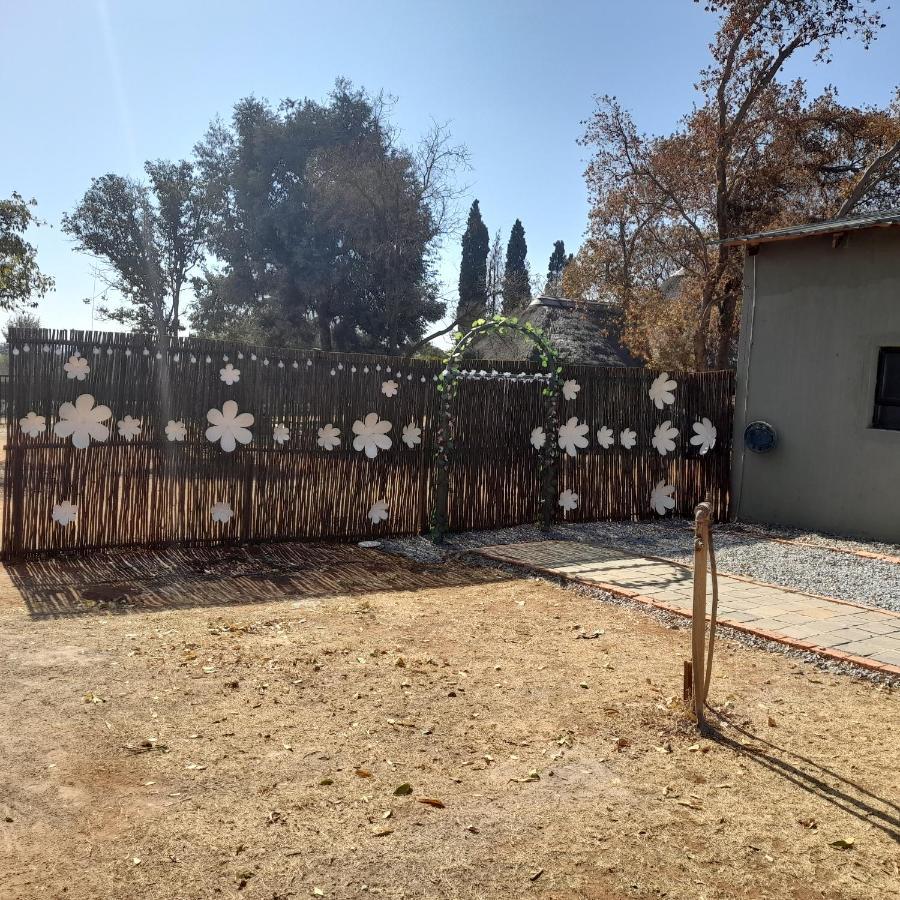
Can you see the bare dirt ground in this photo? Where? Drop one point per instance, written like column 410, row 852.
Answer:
column 442, row 731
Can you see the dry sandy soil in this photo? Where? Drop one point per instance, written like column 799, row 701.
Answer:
column 176, row 737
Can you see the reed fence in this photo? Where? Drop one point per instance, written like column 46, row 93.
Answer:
column 152, row 490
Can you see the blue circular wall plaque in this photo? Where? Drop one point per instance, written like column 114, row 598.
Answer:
column 760, row 437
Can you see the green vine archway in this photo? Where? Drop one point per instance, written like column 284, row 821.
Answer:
column 448, row 386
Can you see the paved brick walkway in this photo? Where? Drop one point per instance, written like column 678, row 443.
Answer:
column 836, row 628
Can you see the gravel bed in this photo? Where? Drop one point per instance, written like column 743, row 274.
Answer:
column 803, row 567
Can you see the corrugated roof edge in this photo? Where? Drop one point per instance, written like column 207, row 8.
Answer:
column 884, row 219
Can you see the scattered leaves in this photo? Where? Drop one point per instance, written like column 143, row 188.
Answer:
column 431, row 801
column 403, row 790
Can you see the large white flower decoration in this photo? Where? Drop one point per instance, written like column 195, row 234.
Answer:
column 228, row 426
column 412, row 435
column 379, row 511
column 82, row 421
column 230, row 374
column 568, row 500
column 605, row 437
column 371, row 435
column 65, row 513
column 389, row 388
column 628, row 438
column 570, row 389
column 661, row 390
column 281, row 433
column 661, row 497
column 129, row 428
column 176, row 431
column 77, row 368
column 705, row 437
column 572, row 435
column 329, row 437
column 538, row 438
column 664, row 437
column 33, row 424
column 221, row 512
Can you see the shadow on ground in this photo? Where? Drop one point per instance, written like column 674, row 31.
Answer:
column 127, row 581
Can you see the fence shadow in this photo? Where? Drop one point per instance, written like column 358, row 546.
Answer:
column 153, row 580
column 812, row 777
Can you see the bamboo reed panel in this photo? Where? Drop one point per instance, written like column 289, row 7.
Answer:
column 153, row 492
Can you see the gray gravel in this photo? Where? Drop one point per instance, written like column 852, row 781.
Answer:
column 803, row 567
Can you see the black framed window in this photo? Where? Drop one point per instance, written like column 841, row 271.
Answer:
column 887, row 389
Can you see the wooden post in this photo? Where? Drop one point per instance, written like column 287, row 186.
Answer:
column 687, row 688
column 702, row 517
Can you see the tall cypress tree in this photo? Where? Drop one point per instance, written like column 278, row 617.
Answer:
column 558, row 262
column 516, row 287
column 473, row 269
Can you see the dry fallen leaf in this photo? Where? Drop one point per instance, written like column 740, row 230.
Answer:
column 431, row 801
column 843, row 843
column 403, row 790
column 362, row 773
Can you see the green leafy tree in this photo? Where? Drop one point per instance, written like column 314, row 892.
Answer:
column 473, row 269
column 21, row 281
column 20, row 320
column 555, row 269
column 516, row 277
column 147, row 238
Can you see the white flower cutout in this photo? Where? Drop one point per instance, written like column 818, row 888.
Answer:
column 129, row 428
column 538, row 438
column 230, row 374
column 605, row 437
column 221, row 512
column 77, row 368
column 281, row 433
column 572, row 436
column 389, row 388
column 661, row 390
column 33, row 424
column 371, row 435
column 379, row 511
column 175, row 431
column 705, row 438
column 628, row 438
column 661, row 498
column 412, row 435
column 570, row 389
column 228, row 426
column 568, row 500
column 82, row 421
column 329, row 437
column 664, row 437
column 65, row 513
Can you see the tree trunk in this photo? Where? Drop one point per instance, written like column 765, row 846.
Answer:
column 727, row 321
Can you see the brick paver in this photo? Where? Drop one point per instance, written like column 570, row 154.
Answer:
column 829, row 626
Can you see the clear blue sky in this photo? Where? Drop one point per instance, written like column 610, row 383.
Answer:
column 95, row 86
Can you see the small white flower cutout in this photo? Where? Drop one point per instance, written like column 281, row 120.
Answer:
column 77, row 368
column 664, row 438
column 127, row 351
column 568, row 500
column 365, row 370
column 661, row 497
column 96, row 351
column 379, row 511
column 109, row 351
column 570, row 389
column 221, row 512
column 193, row 358
column 333, row 372
column 145, row 352
column 280, row 364
column 412, row 435
column 371, row 435
column 25, row 348
column 82, row 421
column 129, row 428
column 281, row 433
column 240, row 355
column 389, row 388
column 175, row 430
column 605, row 437
column 705, row 437
column 329, row 437
column 572, row 436
column 309, row 362
column 230, row 374
column 266, row 361
column 661, row 391
column 15, row 351
column 538, row 438
column 228, row 426
column 33, row 424
column 64, row 513
column 628, row 438
column 253, row 357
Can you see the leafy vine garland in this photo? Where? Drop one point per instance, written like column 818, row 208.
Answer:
column 448, row 387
